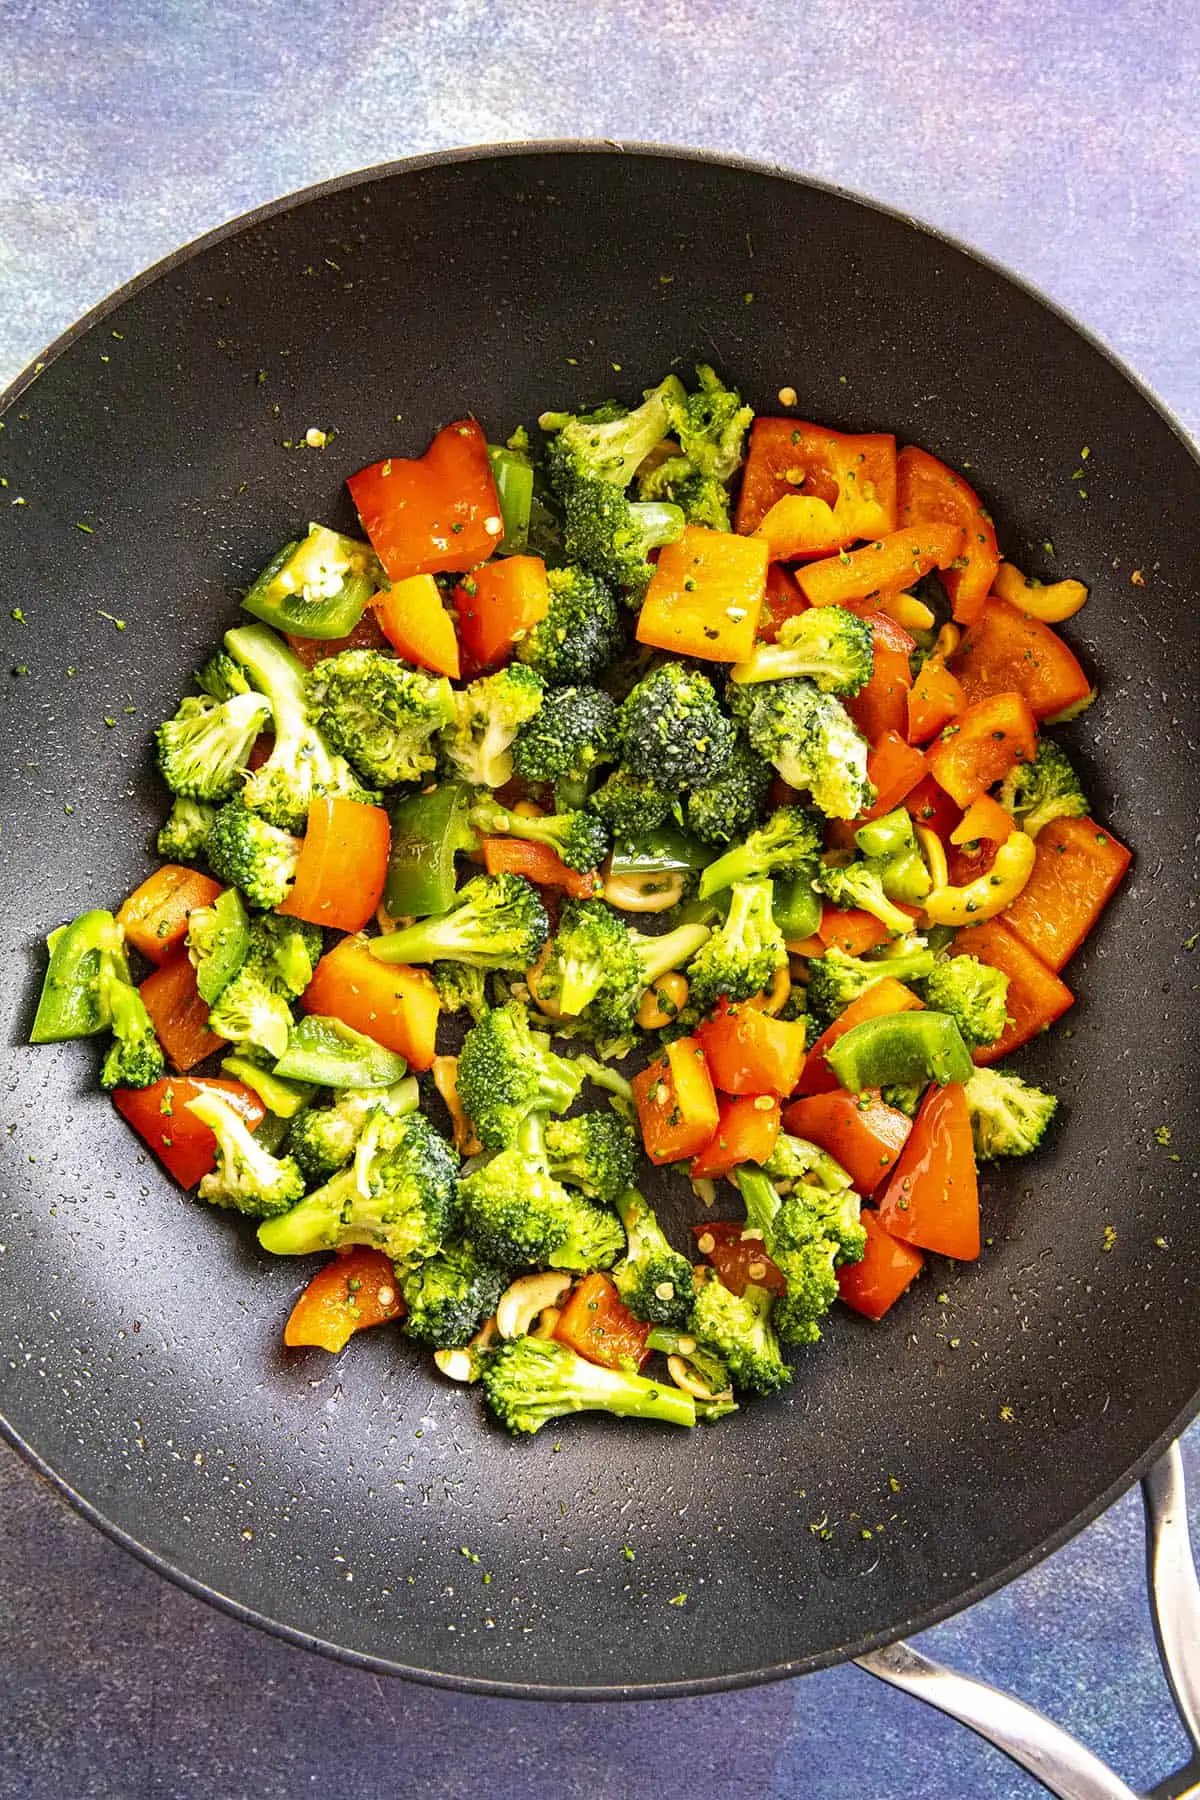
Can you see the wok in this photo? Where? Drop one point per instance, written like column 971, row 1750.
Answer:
column 360, row 1504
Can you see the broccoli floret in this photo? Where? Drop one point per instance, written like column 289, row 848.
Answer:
column 711, row 424
column 459, row 987
column 323, row 1139
column 581, row 632
column 788, row 844
column 795, row 1159
column 512, row 1209
column 218, row 939
column 738, row 1329
column 653, row 1280
column 302, row 765
column 593, row 1239
column 832, row 647
column 608, row 444
column 221, row 677
column 253, row 1007
column 632, row 806
column 725, row 808
column 285, row 952
column 905, row 1097
column 379, row 713
column 532, row 1380
column 594, row 1152
column 891, row 848
column 613, row 536
column 247, row 1177
column 448, row 1295
column 572, row 735
column 702, row 499
column 1009, row 1117
column 579, row 839
column 811, row 740
column 860, row 884
column 506, row 1071
column 496, row 922
column 837, row 978
column 973, row 993
column 1038, row 792
column 808, row 1236
column 597, row 966
column 204, row 750
column 672, row 729
column 488, row 714
column 398, row 1196
column 742, row 955
column 183, row 837
column 134, row 1058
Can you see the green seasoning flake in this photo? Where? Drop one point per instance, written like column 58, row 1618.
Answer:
column 677, row 1600
column 1162, row 1135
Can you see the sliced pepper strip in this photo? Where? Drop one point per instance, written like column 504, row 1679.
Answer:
column 988, row 894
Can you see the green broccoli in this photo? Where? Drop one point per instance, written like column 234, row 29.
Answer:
column 973, row 993
column 613, row 536
column 711, row 425
column 905, row 1097
column 221, row 678
column 496, row 922
column 593, row 1239
column 788, row 844
column 732, row 803
column 531, row 1381
column 218, row 939
column 597, row 965
column 398, row 1195
column 837, row 978
column 700, row 1364
column 594, row 1152
column 204, row 750
column 581, row 632
column 811, row 740
column 611, row 442
column 506, row 1071
column 1038, row 792
column 890, row 846
column 653, row 1280
column 672, row 729
column 861, row 884
column 832, row 647
column 488, row 714
column 579, row 839
column 253, row 1008
column 511, row 1209
column 738, row 1329
column 572, row 736
column 322, row 1139
column 632, row 806
column 702, row 499
column 448, row 1295
column 381, row 715
column 794, row 1160
column 302, row 765
column 808, row 1235
column 459, row 987
column 183, row 836
column 1009, row 1117
column 247, row 1178
column 134, row 1058
column 742, row 955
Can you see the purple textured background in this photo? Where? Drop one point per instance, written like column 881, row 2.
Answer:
column 1056, row 135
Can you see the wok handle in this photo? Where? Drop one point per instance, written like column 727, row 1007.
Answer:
column 1045, row 1750
column 1174, row 1590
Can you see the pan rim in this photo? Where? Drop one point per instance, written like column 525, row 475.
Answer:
column 729, row 1681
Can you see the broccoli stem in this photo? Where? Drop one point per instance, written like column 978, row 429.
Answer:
column 659, row 955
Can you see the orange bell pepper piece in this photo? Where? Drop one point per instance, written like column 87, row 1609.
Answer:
column 596, row 1323
column 417, row 625
column 155, row 916
column 926, row 491
column 985, row 818
column 831, row 487
column 178, row 1014
column 932, row 1196
column 537, row 863
column 895, row 560
column 746, row 1133
column 886, row 1270
column 390, row 1002
column 1077, row 869
column 428, row 513
column 851, row 929
column 1036, row 996
column 881, row 998
column 782, row 601
column 882, row 705
column 934, row 700
column 1006, row 651
column 342, row 866
column 499, row 604
column 705, row 596
column 351, row 1292
column 860, row 1131
column 749, row 1052
column 980, row 749
column 676, row 1105
column 895, row 768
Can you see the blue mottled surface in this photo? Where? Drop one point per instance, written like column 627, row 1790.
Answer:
column 1056, row 135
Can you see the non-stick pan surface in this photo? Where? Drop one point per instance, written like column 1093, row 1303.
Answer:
column 360, row 1502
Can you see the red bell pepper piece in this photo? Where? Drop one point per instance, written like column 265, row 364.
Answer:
column 782, row 601
column 428, row 513
column 1036, row 996
column 982, row 746
column 1007, row 651
column 498, row 604
column 1077, row 869
column 353, row 1291
column 537, row 863
column 676, row 1104
column 852, row 476
column 926, row 491
column 159, row 1114
column 740, row 1262
column 859, row 1130
column 932, row 1196
column 931, row 805
column 365, row 636
column 596, row 1323
column 746, row 1132
column 886, row 1270
column 882, row 705
column 178, row 1014
column 895, row 768
column 342, row 866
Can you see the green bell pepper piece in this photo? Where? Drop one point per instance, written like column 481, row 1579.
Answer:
column 330, row 1054
column 900, row 1050
column 283, row 1098
column 218, row 965
column 316, row 587
column 73, row 1002
column 667, row 851
column 796, row 905
column 512, row 473
column 428, row 831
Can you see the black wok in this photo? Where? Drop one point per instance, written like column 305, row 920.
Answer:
column 361, row 1504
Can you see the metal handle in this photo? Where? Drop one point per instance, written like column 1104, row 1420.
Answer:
column 1056, row 1759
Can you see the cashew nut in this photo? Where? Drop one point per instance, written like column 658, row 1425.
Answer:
column 685, row 1377
column 464, row 1364
column 643, row 893
column 1056, row 601
column 772, row 999
column 521, row 1303
column 908, row 611
column 988, row 894
column 934, row 852
column 662, row 1003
